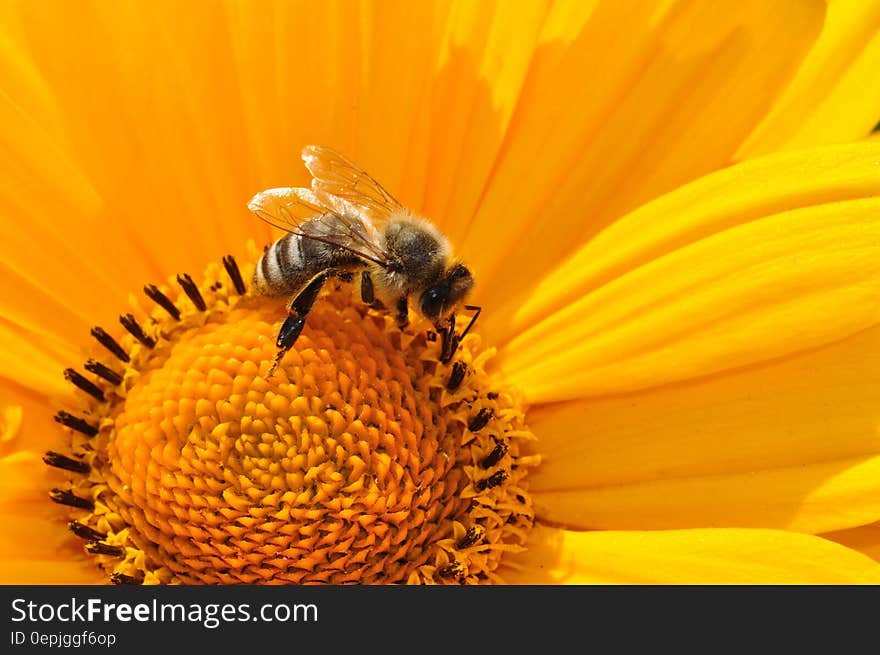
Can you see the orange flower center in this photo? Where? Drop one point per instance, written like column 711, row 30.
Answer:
column 361, row 459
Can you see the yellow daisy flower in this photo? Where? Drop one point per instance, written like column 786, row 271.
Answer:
column 675, row 235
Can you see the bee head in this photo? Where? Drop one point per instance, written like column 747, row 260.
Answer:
column 438, row 300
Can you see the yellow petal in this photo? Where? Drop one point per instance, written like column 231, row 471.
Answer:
column 835, row 96
column 792, row 444
column 32, row 427
column 760, row 261
column 27, row 571
column 10, row 422
column 556, row 556
column 641, row 100
column 26, row 484
column 35, row 546
column 486, row 56
column 822, row 497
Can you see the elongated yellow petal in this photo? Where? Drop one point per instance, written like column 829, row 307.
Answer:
column 814, row 498
column 793, row 444
column 613, row 117
column 737, row 268
column 26, row 484
column 835, row 96
column 50, row 571
column 32, row 428
column 36, row 547
column 686, row 557
column 34, row 360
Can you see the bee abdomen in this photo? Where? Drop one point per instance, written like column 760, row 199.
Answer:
column 282, row 267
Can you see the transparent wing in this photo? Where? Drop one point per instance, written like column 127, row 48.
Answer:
column 334, row 175
column 302, row 212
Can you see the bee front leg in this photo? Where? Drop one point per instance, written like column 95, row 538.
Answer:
column 402, row 312
column 299, row 308
column 448, row 339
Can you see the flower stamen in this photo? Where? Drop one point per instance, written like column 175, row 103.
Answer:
column 84, row 384
column 57, row 460
column 192, row 291
column 102, row 371
column 83, row 531
column 76, row 423
column 64, row 497
column 154, row 294
column 110, row 344
column 129, row 322
column 231, row 267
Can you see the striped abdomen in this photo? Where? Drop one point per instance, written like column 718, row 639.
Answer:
column 293, row 260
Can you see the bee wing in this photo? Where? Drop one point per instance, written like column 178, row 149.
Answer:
column 334, row 175
column 331, row 222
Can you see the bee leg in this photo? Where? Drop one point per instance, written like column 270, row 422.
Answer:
column 296, row 321
column 402, row 312
column 448, row 340
column 289, row 332
column 368, row 293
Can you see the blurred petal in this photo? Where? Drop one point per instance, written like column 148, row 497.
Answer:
column 627, row 107
column 756, row 262
column 865, row 539
column 794, row 444
column 835, row 96
column 36, row 547
column 36, row 431
column 818, row 498
column 51, row 571
column 708, row 556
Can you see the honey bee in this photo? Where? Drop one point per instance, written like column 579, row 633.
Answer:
column 345, row 223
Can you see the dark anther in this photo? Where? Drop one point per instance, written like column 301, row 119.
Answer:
column 83, row 383
column 162, row 300
column 234, row 274
column 492, row 481
column 130, row 323
column 110, row 344
column 499, row 451
column 192, row 290
column 83, row 531
column 430, row 335
column 63, row 497
column 216, row 286
column 492, row 395
column 474, row 534
column 100, row 548
column 521, row 499
column 457, row 375
column 451, row 570
column 121, row 578
column 103, row 371
column 64, row 462
column 76, row 423
column 368, row 292
column 479, row 421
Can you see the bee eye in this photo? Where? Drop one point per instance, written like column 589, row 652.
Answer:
column 432, row 302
